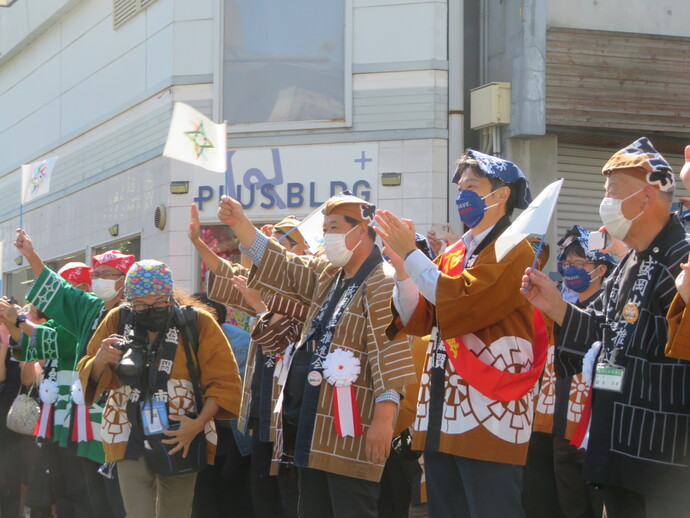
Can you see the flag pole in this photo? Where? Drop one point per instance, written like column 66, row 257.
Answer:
column 21, row 211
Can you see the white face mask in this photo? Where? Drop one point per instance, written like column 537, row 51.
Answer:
column 611, row 213
column 336, row 250
column 104, row 289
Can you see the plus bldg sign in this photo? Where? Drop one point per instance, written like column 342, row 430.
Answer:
column 363, row 160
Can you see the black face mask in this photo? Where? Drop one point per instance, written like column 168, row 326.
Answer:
column 153, row 319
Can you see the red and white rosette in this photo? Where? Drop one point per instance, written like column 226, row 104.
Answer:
column 81, row 425
column 48, row 392
column 341, row 369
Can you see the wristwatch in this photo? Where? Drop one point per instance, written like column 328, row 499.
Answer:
column 21, row 318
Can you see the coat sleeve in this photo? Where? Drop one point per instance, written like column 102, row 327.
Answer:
column 292, row 276
column 483, row 294
column 72, row 308
column 222, row 290
column 390, row 360
column 678, row 344
column 93, row 390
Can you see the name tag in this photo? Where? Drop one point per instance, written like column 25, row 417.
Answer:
column 154, row 417
column 609, row 377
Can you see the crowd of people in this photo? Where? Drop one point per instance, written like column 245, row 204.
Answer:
column 422, row 377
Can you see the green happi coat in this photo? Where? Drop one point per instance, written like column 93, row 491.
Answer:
column 77, row 314
column 59, row 348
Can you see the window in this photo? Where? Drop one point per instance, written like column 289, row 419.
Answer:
column 128, row 245
column 286, row 63
column 18, row 282
column 124, row 10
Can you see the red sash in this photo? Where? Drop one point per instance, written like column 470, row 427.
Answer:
column 490, row 381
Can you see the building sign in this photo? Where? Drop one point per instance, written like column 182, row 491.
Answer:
column 291, row 179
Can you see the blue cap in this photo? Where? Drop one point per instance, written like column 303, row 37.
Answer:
column 495, row 167
column 581, row 235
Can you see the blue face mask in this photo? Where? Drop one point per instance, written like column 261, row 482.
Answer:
column 471, row 207
column 577, row 279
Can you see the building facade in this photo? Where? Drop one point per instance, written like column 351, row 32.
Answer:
column 319, row 96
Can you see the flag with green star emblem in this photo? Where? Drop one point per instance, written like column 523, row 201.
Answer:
column 195, row 139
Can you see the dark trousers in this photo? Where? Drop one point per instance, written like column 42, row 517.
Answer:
column 103, row 492
column 462, row 487
column 539, row 493
column 272, row 496
column 578, row 499
column 396, row 487
column 13, row 456
column 623, row 503
column 222, row 490
column 327, row 495
column 58, row 478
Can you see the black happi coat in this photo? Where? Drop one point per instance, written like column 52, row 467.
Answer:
column 640, row 437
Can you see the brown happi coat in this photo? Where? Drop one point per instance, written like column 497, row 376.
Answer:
column 385, row 364
column 484, row 306
column 272, row 339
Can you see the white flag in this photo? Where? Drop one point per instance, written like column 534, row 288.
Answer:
column 195, row 139
column 534, row 220
column 36, row 178
column 311, row 227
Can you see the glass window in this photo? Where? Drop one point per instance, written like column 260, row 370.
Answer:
column 284, row 61
column 128, row 245
column 19, row 282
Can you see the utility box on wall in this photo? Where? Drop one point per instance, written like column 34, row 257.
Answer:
column 490, row 105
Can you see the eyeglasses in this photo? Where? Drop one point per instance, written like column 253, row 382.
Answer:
column 576, row 264
column 140, row 307
column 108, row 275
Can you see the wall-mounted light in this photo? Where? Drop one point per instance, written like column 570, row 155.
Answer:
column 114, row 230
column 391, row 179
column 181, row 187
column 19, row 260
column 7, row 3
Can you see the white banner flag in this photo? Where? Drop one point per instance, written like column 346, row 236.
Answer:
column 36, row 178
column 534, row 220
column 195, row 139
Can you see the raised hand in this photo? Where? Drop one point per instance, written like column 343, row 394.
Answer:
column 194, row 225
column 399, row 235
column 230, row 211
column 23, row 243
column 543, row 294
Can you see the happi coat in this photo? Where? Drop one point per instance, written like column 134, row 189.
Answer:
column 77, row 313
column 266, row 348
column 640, row 437
column 216, row 370
column 562, row 397
column 60, row 350
column 385, row 364
column 483, row 305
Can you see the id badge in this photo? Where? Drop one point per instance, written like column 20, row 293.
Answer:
column 609, row 377
column 154, row 417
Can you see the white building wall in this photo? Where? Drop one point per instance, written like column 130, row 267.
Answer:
column 101, row 99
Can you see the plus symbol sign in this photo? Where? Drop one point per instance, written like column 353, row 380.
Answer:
column 363, row 161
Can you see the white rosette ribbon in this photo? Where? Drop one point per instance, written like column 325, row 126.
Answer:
column 48, row 393
column 81, row 426
column 341, row 369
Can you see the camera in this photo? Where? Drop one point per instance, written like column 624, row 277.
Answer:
column 135, row 358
